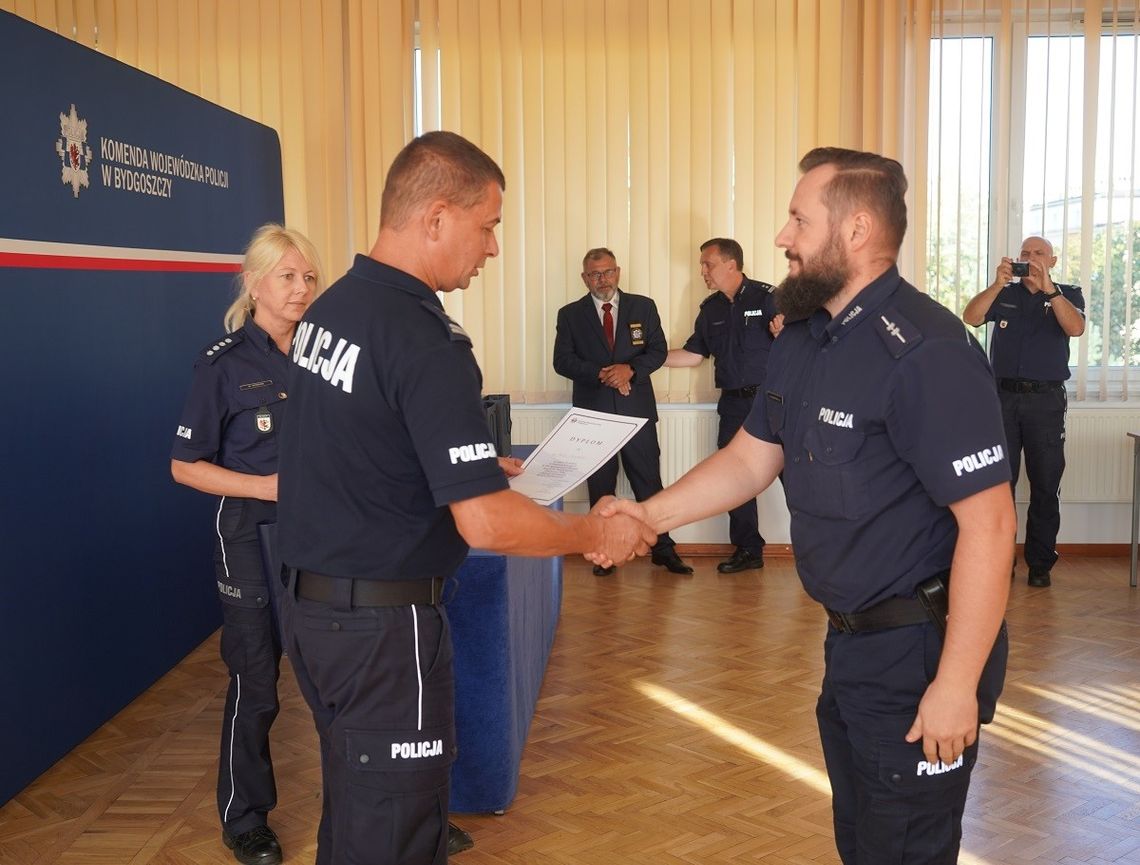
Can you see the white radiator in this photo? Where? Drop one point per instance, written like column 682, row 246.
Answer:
column 1098, row 454
column 1098, row 472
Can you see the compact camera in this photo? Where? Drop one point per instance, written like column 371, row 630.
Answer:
column 1021, row 268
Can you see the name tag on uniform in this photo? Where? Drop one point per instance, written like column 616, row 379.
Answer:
column 636, row 333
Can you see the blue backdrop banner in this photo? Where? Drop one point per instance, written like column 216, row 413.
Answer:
column 125, row 204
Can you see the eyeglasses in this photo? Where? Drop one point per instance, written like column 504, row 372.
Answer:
column 597, row 275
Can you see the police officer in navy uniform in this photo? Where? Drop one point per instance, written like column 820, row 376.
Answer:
column 883, row 415
column 736, row 325
column 1034, row 318
column 226, row 445
column 387, row 475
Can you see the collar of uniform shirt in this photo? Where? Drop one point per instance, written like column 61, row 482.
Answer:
column 366, row 267
column 870, row 298
column 259, row 337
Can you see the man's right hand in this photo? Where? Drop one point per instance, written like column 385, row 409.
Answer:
column 623, row 531
column 1004, row 273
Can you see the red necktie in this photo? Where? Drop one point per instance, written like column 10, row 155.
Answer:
column 608, row 324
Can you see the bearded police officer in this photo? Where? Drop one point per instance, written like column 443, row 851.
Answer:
column 736, row 325
column 1034, row 319
column 882, row 413
column 386, row 475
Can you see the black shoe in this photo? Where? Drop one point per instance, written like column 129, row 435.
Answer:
column 1039, row 577
column 741, row 560
column 599, row 571
column 457, row 840
column 672, row 561
column 258, row 846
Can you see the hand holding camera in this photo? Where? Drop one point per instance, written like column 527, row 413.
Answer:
column 1020, row 268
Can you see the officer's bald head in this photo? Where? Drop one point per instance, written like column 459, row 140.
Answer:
column 437, row 166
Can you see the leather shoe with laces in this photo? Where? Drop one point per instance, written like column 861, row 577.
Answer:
column 741, row 560
column 599, row 571
column 672, row 561
column 457, row 840
column 258, row 846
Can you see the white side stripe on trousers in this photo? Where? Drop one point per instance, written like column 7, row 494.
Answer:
column 237, row 697
column 419, row 674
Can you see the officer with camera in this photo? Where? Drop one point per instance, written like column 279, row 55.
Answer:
column 1029, row 347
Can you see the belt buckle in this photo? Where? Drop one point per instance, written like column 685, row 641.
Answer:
column 840, row 622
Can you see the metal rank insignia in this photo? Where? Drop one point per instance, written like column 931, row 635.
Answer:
column 264, row 420
column 636, row 333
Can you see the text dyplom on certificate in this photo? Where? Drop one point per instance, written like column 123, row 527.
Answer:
column 580, row 444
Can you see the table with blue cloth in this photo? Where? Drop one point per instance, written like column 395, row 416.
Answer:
column 503, row 619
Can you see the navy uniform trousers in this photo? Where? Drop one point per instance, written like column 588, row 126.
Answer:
column 381, row 687
column 251, row 650
column 890, row 806
column 743, row 521
column 1035, row 423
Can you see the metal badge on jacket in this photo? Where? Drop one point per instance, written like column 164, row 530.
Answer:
column 636, row 333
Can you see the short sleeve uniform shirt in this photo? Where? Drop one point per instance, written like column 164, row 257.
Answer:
column 388, row 428
column 235, row 409
column 1027, row 342
column 886, row 414
column 735, row 334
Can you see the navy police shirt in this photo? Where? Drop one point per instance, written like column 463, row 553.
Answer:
column 386, row 428
column 1027, row 342
column 735, row 332
column 887, row 414
column 234, row 411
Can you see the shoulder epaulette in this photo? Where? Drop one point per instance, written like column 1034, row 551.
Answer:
column 215, row 350
column 454, row 331
column 898, row 333
column 712, row 296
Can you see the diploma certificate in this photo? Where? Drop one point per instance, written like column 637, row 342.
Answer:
column 578, row 446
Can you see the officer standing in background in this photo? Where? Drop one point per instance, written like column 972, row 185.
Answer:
column 387, row 475
column 1029, row 347
column 608, row 343
column 882, row 413
column 736, row 325
column 226, row 445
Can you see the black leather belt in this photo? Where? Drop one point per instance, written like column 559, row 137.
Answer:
column 750, row 390
column 891, row 613
column 369, row 593
column 1028, row 385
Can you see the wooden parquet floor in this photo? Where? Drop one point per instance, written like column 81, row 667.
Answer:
column 676, row 725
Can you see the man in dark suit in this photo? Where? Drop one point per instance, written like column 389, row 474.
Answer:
column 608, row 343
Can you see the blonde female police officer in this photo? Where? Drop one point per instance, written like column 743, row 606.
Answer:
column 226, row 445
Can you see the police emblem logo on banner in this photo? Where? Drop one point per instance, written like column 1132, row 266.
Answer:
column 74, row 153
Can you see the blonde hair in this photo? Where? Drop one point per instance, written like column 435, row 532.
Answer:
column 268, row 246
